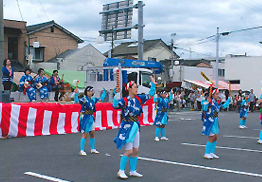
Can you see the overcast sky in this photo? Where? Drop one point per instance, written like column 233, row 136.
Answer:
column 191, row 20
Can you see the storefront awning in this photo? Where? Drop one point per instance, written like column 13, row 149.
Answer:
column 221, row 84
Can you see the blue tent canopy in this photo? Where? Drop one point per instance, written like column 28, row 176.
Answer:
column 158, row 67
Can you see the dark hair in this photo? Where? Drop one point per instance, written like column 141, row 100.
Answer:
column 124, row 92
column 5, row 61
column 87, row 89
column 206, row 94
column 27, row 69
column 213, row 88
column 39, row 70
column 55, row 71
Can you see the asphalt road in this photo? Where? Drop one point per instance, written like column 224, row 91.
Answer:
column 178, row 160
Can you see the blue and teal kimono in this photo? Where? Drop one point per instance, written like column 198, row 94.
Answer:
column 88, row 108
column 204, row 104
column 45, row 86
column 244, row 108
column 7, row 77
column 261, row 112
column 211, row 124
column 130, row 108
column 30, row 90
column 161, row 107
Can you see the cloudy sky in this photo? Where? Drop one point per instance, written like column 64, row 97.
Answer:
column 191, row 20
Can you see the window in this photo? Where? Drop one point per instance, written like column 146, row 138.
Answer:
column 151, row 59
column 145, row 77
column 12, row 47
column 52, row 29
column 221, row 72
column 37, row 53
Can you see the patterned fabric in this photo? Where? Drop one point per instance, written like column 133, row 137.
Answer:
column 54, row 80
column 88, row 106
column 131, row 119
column 133, row 107
column 88, row 103
column 162, row 106
column 131, row 110
column 204, row 104
column 88, row 112
column 211, row 123
column 6, row 75
column 45, row 87
column 244, row 108
column 215, row 115
column 30, row 90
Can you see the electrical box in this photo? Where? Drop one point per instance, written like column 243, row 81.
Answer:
column 36, row 44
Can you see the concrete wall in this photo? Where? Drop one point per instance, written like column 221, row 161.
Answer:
column 54, row 42
column 191, row 73
column 247, row 70
column 220, row 66
column 159, row 51
column 36, row 66
column 86, row 57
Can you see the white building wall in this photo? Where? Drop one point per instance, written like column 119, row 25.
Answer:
column 159, row 52
column 87, row 56
column 220, row 66
column 45, row 65
column 191, row 73
column 247, row 70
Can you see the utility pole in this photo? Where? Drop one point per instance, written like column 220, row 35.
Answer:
column 112, row 43
column 217, row 55
column 1, row 44
column 172, row 55
column 140, row 30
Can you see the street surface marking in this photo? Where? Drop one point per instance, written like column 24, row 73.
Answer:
column 201, row 167
column 242, row 137
column 221, row 147
column 49, row 178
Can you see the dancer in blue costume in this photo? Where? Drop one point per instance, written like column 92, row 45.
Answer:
column 8, row 74
column 211, row 125
column 260, row 135
column 161, row 115
column 204, row 104
column 243, row 111
column 26, row 85
column 87, row 119
column 42, row 84
column 128, row 134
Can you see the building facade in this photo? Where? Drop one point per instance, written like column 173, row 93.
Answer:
column 154, row 50
column 246, row 71
column 14, row 40
column 53, row 40
column 46, row 40
column 79, row 59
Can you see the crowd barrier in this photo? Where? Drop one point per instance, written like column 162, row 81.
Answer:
column 35, row 119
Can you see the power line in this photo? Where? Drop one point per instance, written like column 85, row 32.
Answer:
column 199, row 41
column 35, row 10
column 256, row 3
column 88, row 37
column 44, row 9
column 209, row 55
column 19, row 10
column 240, row 30
column 249, row 6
